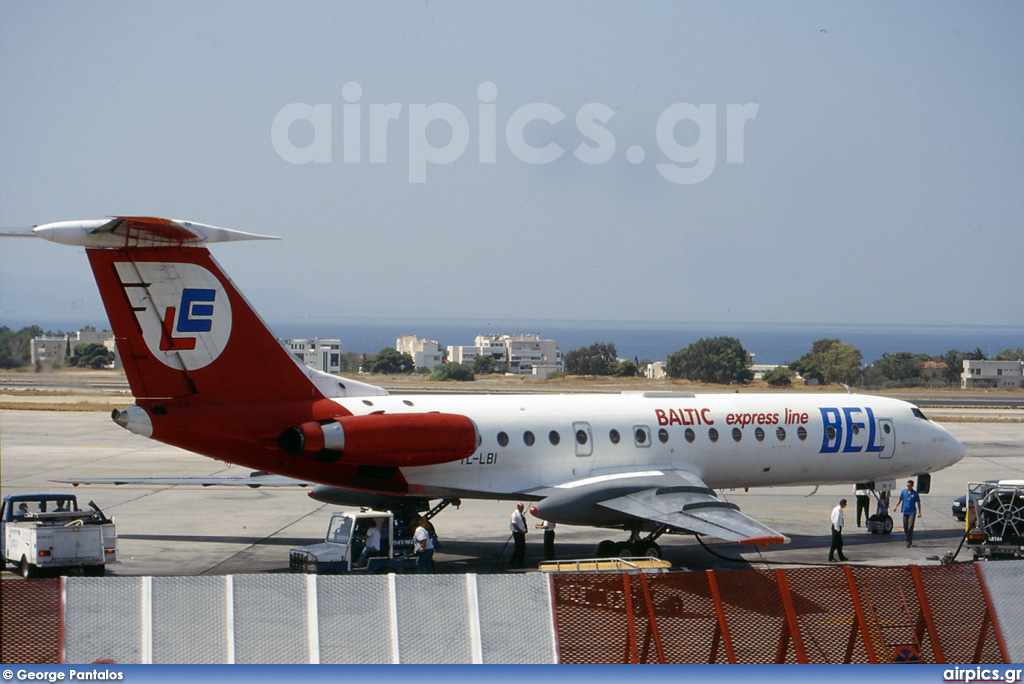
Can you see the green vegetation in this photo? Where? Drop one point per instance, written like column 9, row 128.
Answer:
column 16, row 347
column 720, row 360
column 593, row 360
column 390, row 361
column 1010, row 355
column 829, row 361
column 779, row 377
column 90, row 356
column 485, row 365
column 453, row 371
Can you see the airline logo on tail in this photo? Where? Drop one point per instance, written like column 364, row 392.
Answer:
column 182, row 310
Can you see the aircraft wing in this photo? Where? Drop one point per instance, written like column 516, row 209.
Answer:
column 696, row 508
column 673, row 497
column 253, row 480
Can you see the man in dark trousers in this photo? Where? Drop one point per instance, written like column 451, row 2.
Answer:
column 517, row 525
column 549, row 537
column 863, row 496
column 837, row 532
column 910, row 504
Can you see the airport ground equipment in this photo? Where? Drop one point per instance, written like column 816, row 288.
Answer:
column 995, row 519
column 49, row 531
column 344, row 542
column 618, row 565
column 881, row 521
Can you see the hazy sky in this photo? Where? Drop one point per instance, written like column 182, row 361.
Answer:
column 792, row 162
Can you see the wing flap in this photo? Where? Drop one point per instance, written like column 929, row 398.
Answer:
column 697, row 508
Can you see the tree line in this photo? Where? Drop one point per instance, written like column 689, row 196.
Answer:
column 723, row 360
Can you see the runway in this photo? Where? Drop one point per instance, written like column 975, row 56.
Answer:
column 216, row 531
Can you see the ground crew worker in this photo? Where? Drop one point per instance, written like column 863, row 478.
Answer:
column 549, row 538
column 863, row 496
column 517, row 525
column 910, row 505
column 423, row 547
column 837, row 532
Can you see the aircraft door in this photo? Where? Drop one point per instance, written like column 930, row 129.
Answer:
column 886, row 437
column 583, row 438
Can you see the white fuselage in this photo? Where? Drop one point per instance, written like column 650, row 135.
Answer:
column 530, row 442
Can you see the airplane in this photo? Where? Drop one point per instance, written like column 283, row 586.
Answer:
column 208, row 376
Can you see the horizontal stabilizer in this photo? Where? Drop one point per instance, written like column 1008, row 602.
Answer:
column 253, row 480
column 137, row 232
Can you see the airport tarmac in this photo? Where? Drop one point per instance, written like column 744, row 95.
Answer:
column 196, row 531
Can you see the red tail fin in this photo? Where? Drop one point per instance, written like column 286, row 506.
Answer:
column 184, row 330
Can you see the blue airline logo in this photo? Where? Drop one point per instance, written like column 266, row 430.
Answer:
column 843, row 430
column 192, row 315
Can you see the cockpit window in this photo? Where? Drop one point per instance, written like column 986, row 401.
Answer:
column 919, row 414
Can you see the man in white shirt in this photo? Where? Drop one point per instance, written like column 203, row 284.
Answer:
column 517, row 525
column 371, row 547
column 549, row 537
column 837, row 532
column 424, row 548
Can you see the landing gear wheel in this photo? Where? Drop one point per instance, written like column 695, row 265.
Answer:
column 606, row 549
column 649, row 549
column 887, row 525
column 624, row 550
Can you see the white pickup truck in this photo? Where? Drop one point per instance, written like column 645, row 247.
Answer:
column 49, row 531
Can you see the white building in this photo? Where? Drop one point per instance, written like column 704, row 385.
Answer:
column 997, row 374
column 319, row 354
column 759, row 369
column 48, row 351
column 656, row 370
column 521, row 353
column 424, row 353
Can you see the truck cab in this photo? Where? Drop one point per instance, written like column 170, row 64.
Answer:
column 345, row 541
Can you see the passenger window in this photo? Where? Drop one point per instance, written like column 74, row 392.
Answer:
column 781, row 434
column 641, row 436
column 581, row 437
column 801, row 432
column 713, row 435
column 663, row 435
column 502, row 439
column 690, row 435
column 528, row 438
column 759, row 434
column 737, row 434
column 614, row 436
column 554, row 437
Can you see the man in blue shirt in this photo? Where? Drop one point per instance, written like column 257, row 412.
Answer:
column 910, row 504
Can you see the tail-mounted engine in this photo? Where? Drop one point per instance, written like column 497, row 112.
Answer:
column 394, row 439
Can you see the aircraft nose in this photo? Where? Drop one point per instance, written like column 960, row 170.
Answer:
column 953, row 450
column 959, row 451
